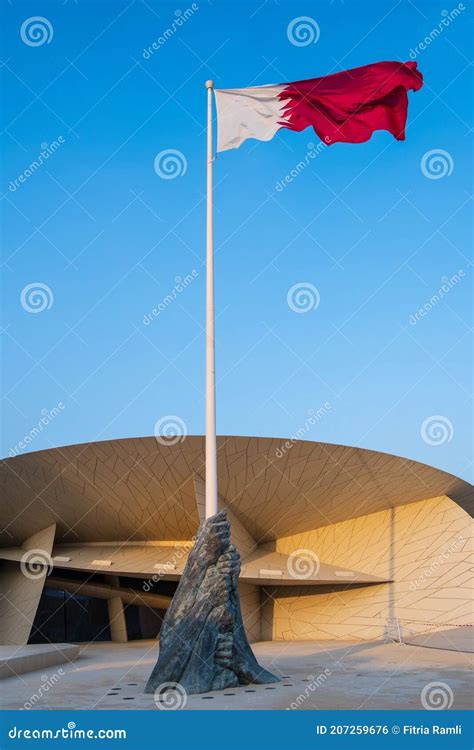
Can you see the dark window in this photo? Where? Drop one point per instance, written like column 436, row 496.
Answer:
column 66, row 618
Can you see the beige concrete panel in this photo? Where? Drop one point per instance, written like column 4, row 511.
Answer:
column 251, row 610
column 244, row 542
column 141, row 490
column 424, row 547
column 264, row 567
column 133, row 498
column 261, row 567
column 164, row 560
column 131, row 494
column 21, row 585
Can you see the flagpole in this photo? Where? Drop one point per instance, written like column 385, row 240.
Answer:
column 211, row 442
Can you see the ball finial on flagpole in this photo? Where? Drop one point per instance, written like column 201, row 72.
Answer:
column 209, row 84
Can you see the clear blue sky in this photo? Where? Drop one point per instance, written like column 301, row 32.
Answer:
column 109, row 236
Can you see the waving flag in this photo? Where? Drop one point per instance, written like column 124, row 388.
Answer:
column 347, row 106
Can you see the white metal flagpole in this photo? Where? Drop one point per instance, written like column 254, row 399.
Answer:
column 211, row 442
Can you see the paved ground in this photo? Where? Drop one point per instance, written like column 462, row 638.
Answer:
column 324, row 674
column 453, row 639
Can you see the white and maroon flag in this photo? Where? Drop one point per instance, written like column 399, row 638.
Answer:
column 346, row 106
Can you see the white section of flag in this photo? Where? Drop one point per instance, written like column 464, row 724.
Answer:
column 248, row 113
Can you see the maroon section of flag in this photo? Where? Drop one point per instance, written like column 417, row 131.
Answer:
column 349, row 106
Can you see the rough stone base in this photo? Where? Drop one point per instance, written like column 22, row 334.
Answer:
column 203, row 645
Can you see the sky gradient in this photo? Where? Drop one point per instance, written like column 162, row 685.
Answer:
column 376, row 228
